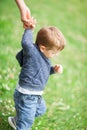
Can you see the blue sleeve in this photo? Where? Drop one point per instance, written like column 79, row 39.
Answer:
column 27, row 40
column 52, row 70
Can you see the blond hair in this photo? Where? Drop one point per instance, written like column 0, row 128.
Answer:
column 50, row 37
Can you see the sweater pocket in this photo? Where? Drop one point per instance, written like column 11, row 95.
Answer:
column 37, row 77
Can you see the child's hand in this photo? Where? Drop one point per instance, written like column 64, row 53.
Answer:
column 58, row 69
column 31, row 23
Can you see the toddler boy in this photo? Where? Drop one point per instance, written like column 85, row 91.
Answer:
column 35, row 71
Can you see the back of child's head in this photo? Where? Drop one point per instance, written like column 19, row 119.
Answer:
column 50, row 37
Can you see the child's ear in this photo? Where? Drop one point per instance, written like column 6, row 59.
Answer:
column 42, row 48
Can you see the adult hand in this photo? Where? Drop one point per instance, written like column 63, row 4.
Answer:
column 24, row 12
column 25, row 16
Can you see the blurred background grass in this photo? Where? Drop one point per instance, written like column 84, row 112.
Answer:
column 66, row 94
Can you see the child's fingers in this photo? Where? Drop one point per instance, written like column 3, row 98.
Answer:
column 26, row 25
column 30, row 26
column 33, row 20
column 30, row 23
column 58, row 68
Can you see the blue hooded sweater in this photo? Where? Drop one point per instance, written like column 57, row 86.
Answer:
column 35, row 66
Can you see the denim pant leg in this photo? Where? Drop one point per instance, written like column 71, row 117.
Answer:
column 41, row 107
column 26, row 109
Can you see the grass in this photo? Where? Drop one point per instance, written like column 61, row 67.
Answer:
column 66, row 94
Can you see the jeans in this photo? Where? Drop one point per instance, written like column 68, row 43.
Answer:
column 27, row 108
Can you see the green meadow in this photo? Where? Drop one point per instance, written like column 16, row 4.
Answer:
column 65, row 94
